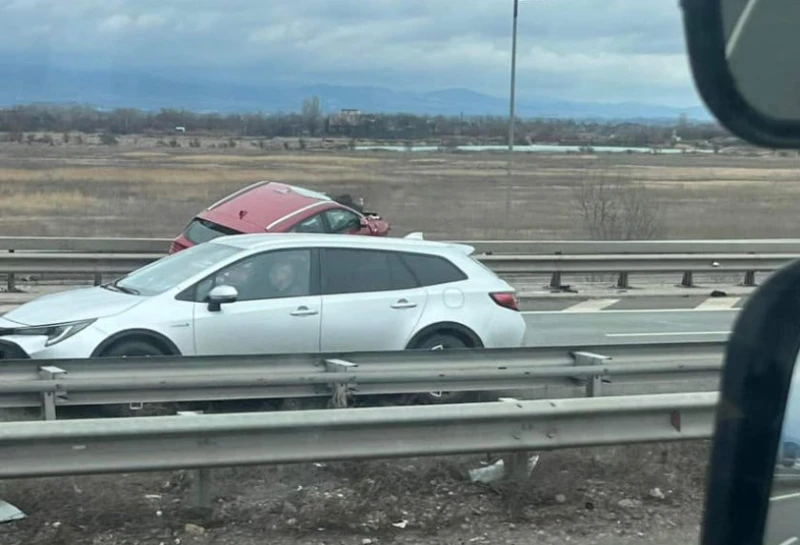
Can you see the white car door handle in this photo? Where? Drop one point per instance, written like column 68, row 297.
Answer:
column 404, row 303
column 305, row 311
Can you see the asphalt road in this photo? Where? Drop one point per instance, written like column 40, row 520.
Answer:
column 616, row 327
column 782, row 521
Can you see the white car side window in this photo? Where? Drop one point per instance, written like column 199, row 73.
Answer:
column 269, row 275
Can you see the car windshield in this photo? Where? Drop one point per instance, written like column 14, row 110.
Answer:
column 168, row 272
column 201, row 230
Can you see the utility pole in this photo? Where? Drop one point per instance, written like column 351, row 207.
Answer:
column 513, row 78
column 511, row 114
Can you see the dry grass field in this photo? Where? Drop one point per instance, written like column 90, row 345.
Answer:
column 133, row 191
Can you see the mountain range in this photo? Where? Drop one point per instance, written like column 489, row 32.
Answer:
column 114, row 88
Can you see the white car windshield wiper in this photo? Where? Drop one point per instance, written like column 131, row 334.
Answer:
column 115, row 286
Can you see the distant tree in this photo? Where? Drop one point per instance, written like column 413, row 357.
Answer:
column 613, row 207
column 312, row 114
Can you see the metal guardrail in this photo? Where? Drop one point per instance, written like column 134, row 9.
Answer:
column 100, row 256
column 539, row 371
column 522, row 247
column 177, row 442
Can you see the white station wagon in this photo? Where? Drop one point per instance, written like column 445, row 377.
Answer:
column 277, row 293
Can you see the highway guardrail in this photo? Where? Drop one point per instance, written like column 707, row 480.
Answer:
column 75, row 447
column 99, row 256
column 542, row 372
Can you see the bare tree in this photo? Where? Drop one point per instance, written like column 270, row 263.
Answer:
column 613, row 207
column 312, row 114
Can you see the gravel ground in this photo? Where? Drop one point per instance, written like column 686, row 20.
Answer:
column 648, row 494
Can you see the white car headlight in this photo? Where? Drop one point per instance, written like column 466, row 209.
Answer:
column 55, row 333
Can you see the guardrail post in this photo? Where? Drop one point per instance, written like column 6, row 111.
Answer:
column 688, row 279
column 341, row 390
column 202, row 491
column 50, row 372
column 12, row 279
column 622, row 281
column 555, row 279
column 515, row 463
column 750, row 279
column 594, row 384
column 98, row 278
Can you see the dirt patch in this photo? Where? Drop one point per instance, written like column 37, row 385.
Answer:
column 645, row 494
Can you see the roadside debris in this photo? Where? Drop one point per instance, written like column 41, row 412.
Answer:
column 657, row 494
column 497, row 471
column 9, row 513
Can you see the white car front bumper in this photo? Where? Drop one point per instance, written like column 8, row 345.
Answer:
column 80, row 345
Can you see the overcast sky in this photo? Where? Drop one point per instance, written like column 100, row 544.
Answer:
column 595, row 50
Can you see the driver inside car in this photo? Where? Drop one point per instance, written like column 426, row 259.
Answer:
column 288, row 277
column 273, row 275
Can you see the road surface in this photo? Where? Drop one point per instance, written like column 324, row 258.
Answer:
column 615, row 327
column 782, row 519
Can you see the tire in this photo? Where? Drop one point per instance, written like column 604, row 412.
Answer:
column 136, row 349
column 133, row 349
column 441, row 341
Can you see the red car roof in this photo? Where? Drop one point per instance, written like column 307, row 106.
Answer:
column 262, row 204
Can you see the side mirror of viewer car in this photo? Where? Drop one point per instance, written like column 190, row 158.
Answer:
column 743, row 55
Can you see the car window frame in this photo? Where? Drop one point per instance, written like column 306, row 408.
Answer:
column 189, row 294
column 324, row 270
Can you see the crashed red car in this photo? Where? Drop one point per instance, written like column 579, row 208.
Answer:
column 279, row 208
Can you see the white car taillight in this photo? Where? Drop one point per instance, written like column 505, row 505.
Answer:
column 505, row 299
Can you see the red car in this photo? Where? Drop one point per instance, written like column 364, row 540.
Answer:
column 279, row 208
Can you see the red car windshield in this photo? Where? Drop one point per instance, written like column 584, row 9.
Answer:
column 200, row 230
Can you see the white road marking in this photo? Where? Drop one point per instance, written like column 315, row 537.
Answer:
column 668, row 334
column 591, row 305
column 718, row 303
column 785, row 496
column 789, row 541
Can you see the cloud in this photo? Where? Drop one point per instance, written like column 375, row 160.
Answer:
column 616, row 50
column 120, row 22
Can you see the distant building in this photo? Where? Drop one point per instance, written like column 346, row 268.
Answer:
column 347, row 117
column 349, row 122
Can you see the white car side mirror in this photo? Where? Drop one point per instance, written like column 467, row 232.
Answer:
column 220, row 295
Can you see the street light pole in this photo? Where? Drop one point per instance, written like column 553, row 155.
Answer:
column 513, row 78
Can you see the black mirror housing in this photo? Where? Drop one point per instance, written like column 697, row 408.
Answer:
column 744, row 66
